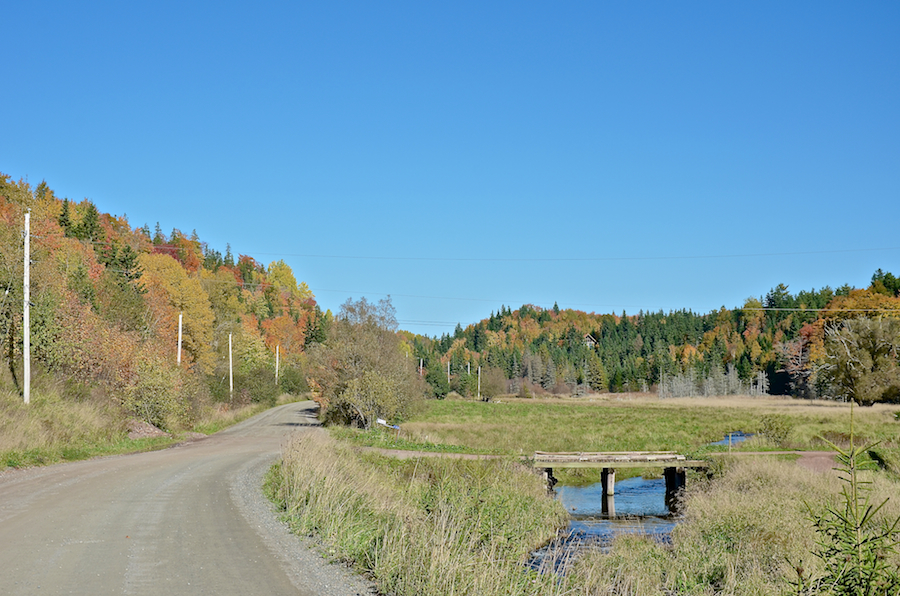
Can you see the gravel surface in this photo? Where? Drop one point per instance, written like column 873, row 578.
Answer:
column 188, row 520
column 298, row 555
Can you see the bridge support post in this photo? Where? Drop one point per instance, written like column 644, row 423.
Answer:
column 608, row 481
column 549, row 478
column 608, row 506
column 675, row 481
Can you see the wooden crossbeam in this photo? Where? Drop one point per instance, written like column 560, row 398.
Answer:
column 615, row 459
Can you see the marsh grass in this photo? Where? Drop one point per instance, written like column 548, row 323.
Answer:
column 738, row 535
column 423, row 526
column 389, row 439
column 522, row 426
column 743, row 529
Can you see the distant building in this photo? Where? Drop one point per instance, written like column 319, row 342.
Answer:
column 589, row 341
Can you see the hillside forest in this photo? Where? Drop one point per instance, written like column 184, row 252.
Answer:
column 105, row 304
column 107, row 296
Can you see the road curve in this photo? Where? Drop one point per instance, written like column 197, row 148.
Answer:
column 186, row 520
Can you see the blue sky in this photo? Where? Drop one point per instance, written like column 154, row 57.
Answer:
column 460, row 156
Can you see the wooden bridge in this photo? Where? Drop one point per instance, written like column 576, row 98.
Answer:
column 672, row 463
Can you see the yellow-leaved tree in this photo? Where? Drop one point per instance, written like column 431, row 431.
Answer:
column 170, row 292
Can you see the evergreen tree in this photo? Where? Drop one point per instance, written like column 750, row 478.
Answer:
column 436, row 377
column 316, row 328
column 158, row 236
column 65, row 219
column 89, row 228
column 596, row 374
column 212, row 260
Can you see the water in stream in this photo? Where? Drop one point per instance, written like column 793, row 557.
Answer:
column 637, row 507
column 734, row 438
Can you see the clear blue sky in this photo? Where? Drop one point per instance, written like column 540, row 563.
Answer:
column 464, row 155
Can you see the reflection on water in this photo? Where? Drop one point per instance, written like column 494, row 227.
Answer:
column 637, row 507
column 634, row 496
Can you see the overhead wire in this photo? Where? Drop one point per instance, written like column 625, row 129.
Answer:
column 541, row 259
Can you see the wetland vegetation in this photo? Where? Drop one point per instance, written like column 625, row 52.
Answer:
column 746, row 530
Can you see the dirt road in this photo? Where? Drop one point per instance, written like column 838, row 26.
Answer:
column 186, row 520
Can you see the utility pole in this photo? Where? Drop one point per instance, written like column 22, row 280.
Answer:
column 26, row 310
column 230, row 371
column 277, row 355
column 479, row 382
column 180, row 315
column 448, row 371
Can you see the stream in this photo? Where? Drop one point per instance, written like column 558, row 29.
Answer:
column 638, row 507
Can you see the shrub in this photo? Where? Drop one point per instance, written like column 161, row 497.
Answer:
column 776, row 429
column 258, row 386
column 155, row 395
column 293, row 380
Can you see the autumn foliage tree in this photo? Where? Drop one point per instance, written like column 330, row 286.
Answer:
column 362, row 371
column 862, row 359
column 106, row 299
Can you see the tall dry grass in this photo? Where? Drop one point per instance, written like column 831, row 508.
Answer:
column 420, row 527
column 742, row 535
column 52, row 427
column 70, row 421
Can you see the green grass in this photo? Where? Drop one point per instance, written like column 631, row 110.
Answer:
column 42, row 456
column 384, row 439
column 685, row 426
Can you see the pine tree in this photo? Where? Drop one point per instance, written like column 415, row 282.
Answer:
column 89, row 228
column 65, row 219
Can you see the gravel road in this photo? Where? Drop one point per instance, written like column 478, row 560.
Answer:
column 187, row 520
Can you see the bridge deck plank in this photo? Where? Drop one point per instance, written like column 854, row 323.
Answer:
column 615, row 459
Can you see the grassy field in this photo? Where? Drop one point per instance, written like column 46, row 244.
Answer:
column 614, row 423
column 746, row 531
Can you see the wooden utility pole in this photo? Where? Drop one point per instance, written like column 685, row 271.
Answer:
column 448, row 371
column 479, row 382
column 277, row 356
column 230, row 371
column 26, row 311
column 180, row 315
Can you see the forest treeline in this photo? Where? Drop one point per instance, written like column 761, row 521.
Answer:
column 105, row 304
column 772, row 344
column 106, row 299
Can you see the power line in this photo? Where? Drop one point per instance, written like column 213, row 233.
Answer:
column 169, row 248
column 576, row 259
